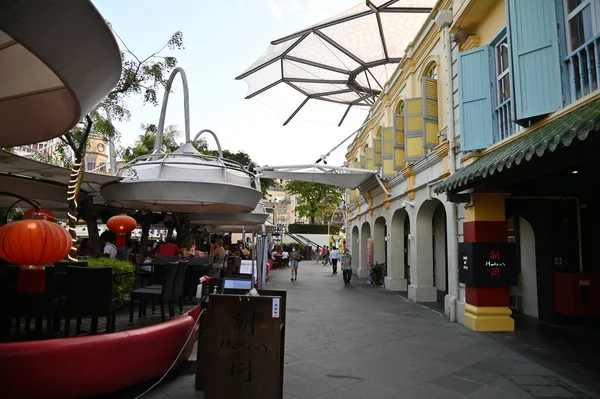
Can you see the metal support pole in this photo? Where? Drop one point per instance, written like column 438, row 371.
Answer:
column 163, row 110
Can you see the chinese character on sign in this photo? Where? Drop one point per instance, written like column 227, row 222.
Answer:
column 242, row 369
column 244, row 322
column 495, row 255
column 495, row 272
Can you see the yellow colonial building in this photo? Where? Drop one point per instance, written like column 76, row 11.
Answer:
column 487, row 139
column 408, row 139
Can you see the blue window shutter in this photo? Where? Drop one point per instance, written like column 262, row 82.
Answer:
column 535, row 59
column 475, row 99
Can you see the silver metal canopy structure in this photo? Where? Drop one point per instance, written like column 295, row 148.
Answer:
column 318, row 173
column 58, row 59
column 346, row 59
column 256, row 217
column 184, row 181
column 44, row 183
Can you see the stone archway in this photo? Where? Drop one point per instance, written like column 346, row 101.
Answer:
column 398, row 251
column 379, row 241
column 365, row 235
column 354, row 249
column 429, row 261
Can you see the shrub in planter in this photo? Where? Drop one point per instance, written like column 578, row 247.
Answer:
column 378, row 272
column 122, row 285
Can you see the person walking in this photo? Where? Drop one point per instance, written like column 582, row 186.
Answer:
column 346, row 266
column 294, row 261
column 333, row 257
column 324, row 252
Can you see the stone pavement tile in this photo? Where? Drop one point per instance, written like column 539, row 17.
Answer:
column 289, row 376
column 338, row 394
column 554, row 392
column 185, row 393
column 377, row 337
column 490, row 392
column 368, row 390
column 456, row 384
column 307, row 369
column 306, row 387
column 399, row 379
column 337, row 379
column 289, row 358
column 156, row 395
column 475, row 375
column 428, row 391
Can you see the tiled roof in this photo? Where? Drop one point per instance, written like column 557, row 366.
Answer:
column 560, row 132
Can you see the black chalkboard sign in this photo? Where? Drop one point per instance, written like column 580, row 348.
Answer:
column 486, row 264
column 241, row 348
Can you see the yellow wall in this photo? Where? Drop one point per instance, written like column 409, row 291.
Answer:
column 495, row 21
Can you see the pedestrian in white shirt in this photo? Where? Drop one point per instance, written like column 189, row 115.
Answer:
column 333, row 256
column 110, row 250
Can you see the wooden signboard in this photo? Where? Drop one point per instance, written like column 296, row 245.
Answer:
column 486, row 264
column 240, row 349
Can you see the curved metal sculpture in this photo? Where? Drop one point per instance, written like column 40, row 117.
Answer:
column 163, row 111
column 184, row 181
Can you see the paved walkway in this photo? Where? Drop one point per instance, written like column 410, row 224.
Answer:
column 363, row 342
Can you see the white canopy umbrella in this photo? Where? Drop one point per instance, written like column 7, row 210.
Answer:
column 346, row 59
column 43, row 183
column 349, row 178
column 184, row 181
column 58, row 59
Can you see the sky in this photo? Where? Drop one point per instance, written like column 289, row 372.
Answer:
column 222, row 38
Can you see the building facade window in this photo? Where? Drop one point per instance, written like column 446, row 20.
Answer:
column 91, row 165
column 503, row 110
column 583, row 38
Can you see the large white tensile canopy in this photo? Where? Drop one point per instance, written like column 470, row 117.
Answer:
column 332, row 175
column 346, row 59
column 58, row 59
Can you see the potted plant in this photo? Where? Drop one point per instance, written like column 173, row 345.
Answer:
column 377, row 272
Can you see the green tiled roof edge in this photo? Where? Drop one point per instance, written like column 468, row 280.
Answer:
column 560, row 132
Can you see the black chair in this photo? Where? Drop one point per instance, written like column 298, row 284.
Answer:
column 15, row 305
column 141, row 275
column 164, row 295
column 89, row 293
column 178, row 286
column 161, row 263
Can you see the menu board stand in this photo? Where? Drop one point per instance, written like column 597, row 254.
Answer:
column 241, row 346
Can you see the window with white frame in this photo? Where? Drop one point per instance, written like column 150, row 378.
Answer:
column 583, row 38
column 503, row 113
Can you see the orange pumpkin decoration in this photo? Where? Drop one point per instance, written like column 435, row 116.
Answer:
column 121, row 224
column 33, row 243
column 41, row 211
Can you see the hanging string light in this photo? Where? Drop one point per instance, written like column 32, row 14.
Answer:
column 72, row 194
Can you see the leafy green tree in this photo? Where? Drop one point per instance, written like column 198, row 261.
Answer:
column 316, row 201
column 143, row 76
column 144, row 145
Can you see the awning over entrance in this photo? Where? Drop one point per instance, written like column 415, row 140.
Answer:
column 333, row 175
column 558, row 133
column 346, row 59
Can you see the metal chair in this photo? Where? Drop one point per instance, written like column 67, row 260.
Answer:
column 164, row 295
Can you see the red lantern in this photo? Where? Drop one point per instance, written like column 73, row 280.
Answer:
column 121, row 224
column 41, row 211
column 33, row 243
